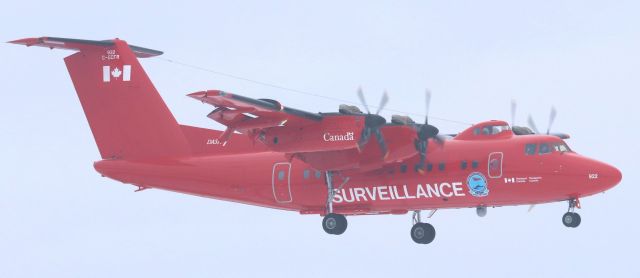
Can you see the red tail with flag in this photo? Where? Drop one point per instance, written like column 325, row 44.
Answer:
column 127, row 116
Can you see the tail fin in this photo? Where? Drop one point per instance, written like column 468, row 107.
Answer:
column 128, row 118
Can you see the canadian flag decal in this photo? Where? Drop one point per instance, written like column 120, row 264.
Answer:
column 116, row 73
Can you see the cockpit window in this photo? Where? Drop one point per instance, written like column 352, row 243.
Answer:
column 494, row 129
column 561, row 147
column 530, row 149
column 544, row 149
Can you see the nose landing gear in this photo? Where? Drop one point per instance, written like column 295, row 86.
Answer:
column 422, row 233
column 572, row 219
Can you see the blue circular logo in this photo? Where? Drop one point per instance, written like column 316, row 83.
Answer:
column 477, row 184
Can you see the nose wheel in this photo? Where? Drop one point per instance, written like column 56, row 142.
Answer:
column 572, row 219
column 422, row 233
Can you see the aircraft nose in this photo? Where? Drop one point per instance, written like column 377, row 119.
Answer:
column 614, row 175
column 608, row 175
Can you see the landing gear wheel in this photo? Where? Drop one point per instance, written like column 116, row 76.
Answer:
column 571, row 219
column 334, row 224
column 423, row 233
column 578, row 220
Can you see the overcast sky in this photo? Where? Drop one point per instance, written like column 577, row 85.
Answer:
column 59, row 218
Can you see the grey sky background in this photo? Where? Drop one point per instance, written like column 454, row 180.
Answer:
column 59, row 218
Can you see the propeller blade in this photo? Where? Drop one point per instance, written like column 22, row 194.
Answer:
column 552, row 118
column 428, row 103
column 532, row 125
column 381, row 142
column 383, row 102
column 362, row 100
column 513, row 112
column 364, row 138
column 439, row 139
column 421, row 146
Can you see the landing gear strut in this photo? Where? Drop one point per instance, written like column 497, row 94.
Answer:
column 422, row 233
column 572, row 219
column 333, row 223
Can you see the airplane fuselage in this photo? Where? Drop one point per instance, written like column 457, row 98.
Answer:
column 269, row 179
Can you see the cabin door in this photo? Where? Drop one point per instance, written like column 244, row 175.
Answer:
column 281, row 182
column 495, row 165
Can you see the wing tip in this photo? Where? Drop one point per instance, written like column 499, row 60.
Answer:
column 197, row 95
column 26, row 41
column 202, row 94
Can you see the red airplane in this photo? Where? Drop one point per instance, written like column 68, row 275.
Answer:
column 328, row 164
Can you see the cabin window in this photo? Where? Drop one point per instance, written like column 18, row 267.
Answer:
column 306, row 174
column 281, row 175
column 476, row 131
column 474, row 164
column 463, row 165
column 495, row 165
column 544, row 148
column 530, row 149
column 429, row 167
column 441, row 166
column 403, row 168
column 318, row 174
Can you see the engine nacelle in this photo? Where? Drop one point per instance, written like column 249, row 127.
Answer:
column 334, row 132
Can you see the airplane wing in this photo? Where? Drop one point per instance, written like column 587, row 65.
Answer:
column 325, row 141
column 242, row 114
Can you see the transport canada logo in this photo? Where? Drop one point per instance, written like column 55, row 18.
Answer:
column 477, row 184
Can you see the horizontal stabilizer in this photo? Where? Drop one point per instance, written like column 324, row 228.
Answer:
column 76, row 44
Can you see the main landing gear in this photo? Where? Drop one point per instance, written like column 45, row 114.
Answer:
column 572, row 219
column 333, row 223
column 422, row 233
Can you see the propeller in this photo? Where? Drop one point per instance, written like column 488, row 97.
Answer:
column 424, row 133
column 552, row 118
column 532, row 125
column 514, row 106
column 372, row 123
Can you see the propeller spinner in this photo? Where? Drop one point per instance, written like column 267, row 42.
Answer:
column 372, row 124
column 424, row 133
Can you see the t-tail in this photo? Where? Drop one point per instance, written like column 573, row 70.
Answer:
column 128, row 118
